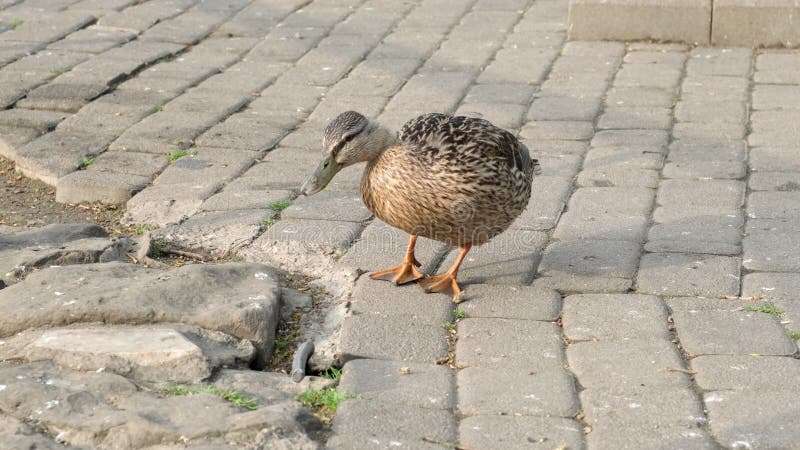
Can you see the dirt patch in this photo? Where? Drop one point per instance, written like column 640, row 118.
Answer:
column 30, row 203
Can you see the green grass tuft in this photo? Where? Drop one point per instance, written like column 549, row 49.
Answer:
column 459, row 313
column 16, row 23
column 766, row 309
column 268, row 222
column 325, row 400
column 87, row 161
column 794, row 335
column 177, row 154
column 449, row 326
column 280, row 205
column 331, row 373
column 233, row 397
column 159, row 108
column 56, row 71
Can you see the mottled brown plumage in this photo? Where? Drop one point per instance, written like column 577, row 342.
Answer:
column 458, row 180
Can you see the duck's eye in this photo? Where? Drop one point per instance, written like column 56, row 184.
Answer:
column 325, row 166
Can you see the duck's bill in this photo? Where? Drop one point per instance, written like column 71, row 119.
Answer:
column 325, row 172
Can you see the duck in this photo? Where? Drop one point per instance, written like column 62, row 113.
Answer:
column 459, row 180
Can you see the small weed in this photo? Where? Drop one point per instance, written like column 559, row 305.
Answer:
column 459, row 313
column 282, row 344
column 142, row 229
column 449, row 326
column 794, row 335
column 87, row 161
column 324, row 401
column 766, row 309
column 177, row 154
column 268, row 222
column 159, row 108
column 157, row 249
column 56, row 71
column 230, row 396
column 280, row 205
column 16, row 23
column 331, row 373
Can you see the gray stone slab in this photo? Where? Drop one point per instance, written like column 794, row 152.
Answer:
column 731, row 62
column 618, row 176
column 520, row 432
column 484, row 391
column 421, row 385
column 763, row 24
column 142, row 164
column 54, row 299
column 361, row 422
column 635, row 117
column 62, row 97
column 733, row 112
column 757, row 419
column 555, row 147
column 442, row 91
column 679, row 274
column 774, row 158
column 31, row 118
column 85, row 186
column 606, row 258
column 568, row 283
column 567, row 130
column 509, row 259
column 641, row 317
column 246, row 133
column 628, row 156
column 168, row 203
column 648, row 75
column 218, row 233
column 731, row 333
column 376, row 77
column 746, row 373
column 641, row 96
column 245, row 193
column 518, row 66
column 564, row 108
column 623, row 138
column 701, row 133
column 48, row 26
column 328, row 205
column 711, row 195
column 187, row 28
column 678, row 20
column 714, row 88
column 56, row 154
column 203, row 167
column 500, row 93
column 645, row 407
column 93, row 39
column 563, row 165
column 549, row 194
column 778, row 288
column 606, row 214
column 777, row 66
column 620, row 365
column 164, row 131
column 767, row 96
column 511, row 302
column 310, row 235
column 12, row 138
column 715, row 234
column 631, row 436
column 510, row 344
column 504, row 115
column 381, row 247
column 771, row 245
column 774, row 181
column 774, row 205
column 385, row 300
column 734, row 170
column 368, row 336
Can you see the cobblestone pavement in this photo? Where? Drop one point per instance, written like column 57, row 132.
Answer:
column 646, row 299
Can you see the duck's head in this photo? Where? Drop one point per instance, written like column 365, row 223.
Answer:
column 349, row 138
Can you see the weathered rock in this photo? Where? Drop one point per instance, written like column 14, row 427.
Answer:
column 104, row 410
column 240, row 299
column 57, row 245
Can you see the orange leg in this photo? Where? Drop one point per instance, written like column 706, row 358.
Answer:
column 446, row 282
column 404, row 273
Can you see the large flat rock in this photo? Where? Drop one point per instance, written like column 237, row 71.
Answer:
column 239, row 299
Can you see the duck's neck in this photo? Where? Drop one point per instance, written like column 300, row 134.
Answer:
column 379, row 140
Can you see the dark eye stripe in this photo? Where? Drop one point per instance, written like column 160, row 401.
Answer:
column 342, row 143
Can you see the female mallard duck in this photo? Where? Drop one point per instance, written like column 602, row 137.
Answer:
column 458, row 180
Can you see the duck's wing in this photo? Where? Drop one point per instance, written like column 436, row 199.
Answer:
column 442, row 139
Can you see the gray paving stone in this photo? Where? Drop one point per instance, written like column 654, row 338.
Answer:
column 503, row 115
column 559, row 165
column 774, row 205
column 679, row 274
column 746, row 373
column 731, row 333
column 31, row 118
column 12, row 138
column 641, row 317
column 777, row 288
column 635, row 117
column 511, row 302
column 627, row 156
column 731, row 62
column 442, row 91
column 767, row 131
column 606, row 213
column 163, row 132
column 48, row 26
column 655, row 56
column 712, row 134
column 484, row 391
column 141, row 164
column 376, row 76
column 727, row 304
column 333, row 105
column 714, row 234
column 640, row 96
column 315, row 236
column 105, row 118
column 623, row 138
column 518, row 66
column 645, row 407
column 755, row 419
column 168, row 203
column 714, row 88
column 241, row 194
column 360, row 423
column 62, row 97
column 509, row 259
column 93, row 39
column 424, row 386
column 680, row 21
column 618, row 177
column 520, row 432
column 500, row 93
column 567, row 130
column 777, row 66
column 733, row 112
column 509, row 343
column 86, row 186
column 773, row 158
column 601, row 258
column 204, row 169
column 632, row 436
column 621, row 364
column 712, row 195
column 217, row 233
column 766, row 97
column 187, row 28
column 568, row 283
column 556, row 147
column 48, row 61
column 246, row 133
column 368, row 336
column 648, row 75
column 764, row 24
column 56, row 154
column 385, row 300
column 284, row 168
column 382, row 247
column 11, row 50
column 564, row 108
column 569, row 84
column 774, row 181
column 771, row 245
